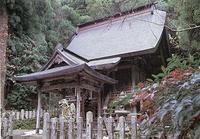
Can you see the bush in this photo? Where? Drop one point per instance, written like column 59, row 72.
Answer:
column 25, row 124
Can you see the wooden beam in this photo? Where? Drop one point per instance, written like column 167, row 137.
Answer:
column 82, row 107
column 162, row 57
column 90, row 83
column 96, row 76
column 134, row 75
column 71, row 77
column 125, row 66
column 70, row 85
column 91, row 79
column 90, row 87
column 99, row 104
column 38, row 113
column 59, row 86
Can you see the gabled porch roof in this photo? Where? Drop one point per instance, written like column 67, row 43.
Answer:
column 65, row 71
column 72, row 59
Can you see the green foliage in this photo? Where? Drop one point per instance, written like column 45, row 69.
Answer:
column 35, row 28
column 178, row 107
column 21, row 97
column 27, row 124
column 100, row 8
column 71, row 14
column 103, row 8
column 186, row 14
column 123, row 101
column 177, row 62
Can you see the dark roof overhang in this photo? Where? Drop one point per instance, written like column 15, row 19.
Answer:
column 64, row 71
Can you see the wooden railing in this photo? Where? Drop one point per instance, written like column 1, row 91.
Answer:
column 62, row 128
column 23, row 114
column 68, row 128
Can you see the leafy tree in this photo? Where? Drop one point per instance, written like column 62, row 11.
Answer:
column 35, row 27
column 186, row 15
column 177, row 108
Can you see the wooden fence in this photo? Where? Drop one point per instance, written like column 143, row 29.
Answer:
column 68, row 128
column 109, row 128
column 22, row 115
column 6, row 126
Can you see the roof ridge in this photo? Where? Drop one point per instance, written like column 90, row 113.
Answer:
column 137, row 9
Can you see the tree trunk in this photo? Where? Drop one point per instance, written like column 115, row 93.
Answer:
column 3, row 45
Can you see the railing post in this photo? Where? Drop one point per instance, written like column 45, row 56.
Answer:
column 26, row 114
column 70, row 128
column 41, row 112
column 134, row 127
column 17, row 115
column 3, row 115
column 79, row 127
column 46, row 126
column 121, row 127
column 30, row 114
column 100, row 128
column 10, row 124
column 62, row 127
column 53, row 128
column 5, row 127
column 110, row 127
column 33, row 114
column 89, row 120
column 38, row 113
column 13, row 113
column 22, row 114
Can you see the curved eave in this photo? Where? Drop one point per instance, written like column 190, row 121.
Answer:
column 64, row 71
column 98, row 75
column 138, row 53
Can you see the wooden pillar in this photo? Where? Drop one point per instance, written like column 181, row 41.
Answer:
column 3, row 46
column 163, row 56
column 83, row 107
column 38, row 113
column 99, row 103
column 134, row 78
column 114, row 77
column 78, row 102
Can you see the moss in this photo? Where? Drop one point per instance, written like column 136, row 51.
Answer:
column 26, row 124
